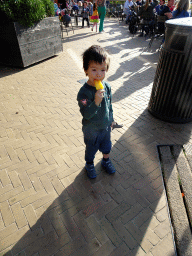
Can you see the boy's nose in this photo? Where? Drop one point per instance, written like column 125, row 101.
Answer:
column 99, row 74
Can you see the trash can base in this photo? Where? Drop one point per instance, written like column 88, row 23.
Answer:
column 169, row 119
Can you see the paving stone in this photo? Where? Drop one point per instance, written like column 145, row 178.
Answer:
column 82, row 225
column 56, row 221
column 105, row 249
column 51, row 247
column 4, row 178
column 143, row 216
column 10, row 194
column 71, row 247
column 70, row 225
column 7, row 214
column 87, row 250
column 96, row 229
column 13, row 238
column 162, row 230
column 124, row 234
column 8, row 230
column 123, row 250
column 30, row 215
column 30, row 237
column 111, row 232
column 39, row 244
column 114, row 214
column 5, row 189
column 164, row 247
column 131, row 213
column 100, row 212
column 19, row 215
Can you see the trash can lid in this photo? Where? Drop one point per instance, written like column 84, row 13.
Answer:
column 181, row 22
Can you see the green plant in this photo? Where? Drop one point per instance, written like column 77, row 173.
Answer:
column 49, row 8
column 27, row 12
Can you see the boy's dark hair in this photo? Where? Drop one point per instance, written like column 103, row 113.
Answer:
column 97, row 54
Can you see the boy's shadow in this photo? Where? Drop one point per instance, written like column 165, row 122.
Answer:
column 111, row 211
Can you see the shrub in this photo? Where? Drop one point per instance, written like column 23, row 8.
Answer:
column 27, row 12
column 49, row 8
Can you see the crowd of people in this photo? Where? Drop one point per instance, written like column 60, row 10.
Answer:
column 94, row 11
column 148, row 10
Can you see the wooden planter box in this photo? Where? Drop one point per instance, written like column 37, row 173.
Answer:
column 22, row 46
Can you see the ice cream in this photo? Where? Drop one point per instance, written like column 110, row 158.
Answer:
column 98, row 85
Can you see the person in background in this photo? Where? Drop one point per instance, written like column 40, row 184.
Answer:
column 101, row 7
column 90, row 6
column 128, row 4
column 85, row 14
column 171, row 4
column 56, row 9
column 75, row 7
column 181, row 9
column 162, row 8
column 94, row 17
column 62, row 4
column 80, row 3
column 66, row 17
column 147, row 14
column 138, row 2
column 147, row 10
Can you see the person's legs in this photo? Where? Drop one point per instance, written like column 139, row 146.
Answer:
column 105, row 148
column 90, row 139
column 82, row 22
column 94, row 24
column 87, row 22
column 102, row 12
column 128, row 12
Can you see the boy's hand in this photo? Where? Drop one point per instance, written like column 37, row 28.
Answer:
column 113, row 123
column 99, row 96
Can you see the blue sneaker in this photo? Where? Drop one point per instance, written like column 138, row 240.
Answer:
column 108, row 166
column 91, row 173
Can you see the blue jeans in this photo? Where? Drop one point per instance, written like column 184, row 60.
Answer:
column 127, row 12
column 96, row 140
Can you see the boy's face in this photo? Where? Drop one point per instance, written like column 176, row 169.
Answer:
column 96, row 71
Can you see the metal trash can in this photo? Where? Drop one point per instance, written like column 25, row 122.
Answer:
column 171, row 96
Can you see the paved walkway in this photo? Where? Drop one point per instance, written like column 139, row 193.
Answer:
column 48, row 205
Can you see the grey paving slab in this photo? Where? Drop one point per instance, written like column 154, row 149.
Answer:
column 42, row 156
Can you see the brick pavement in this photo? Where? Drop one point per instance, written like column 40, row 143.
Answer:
column 48, row 205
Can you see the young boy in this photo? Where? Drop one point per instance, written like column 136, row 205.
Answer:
column 96, row 109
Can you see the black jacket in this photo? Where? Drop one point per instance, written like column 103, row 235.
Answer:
column 149, row 12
